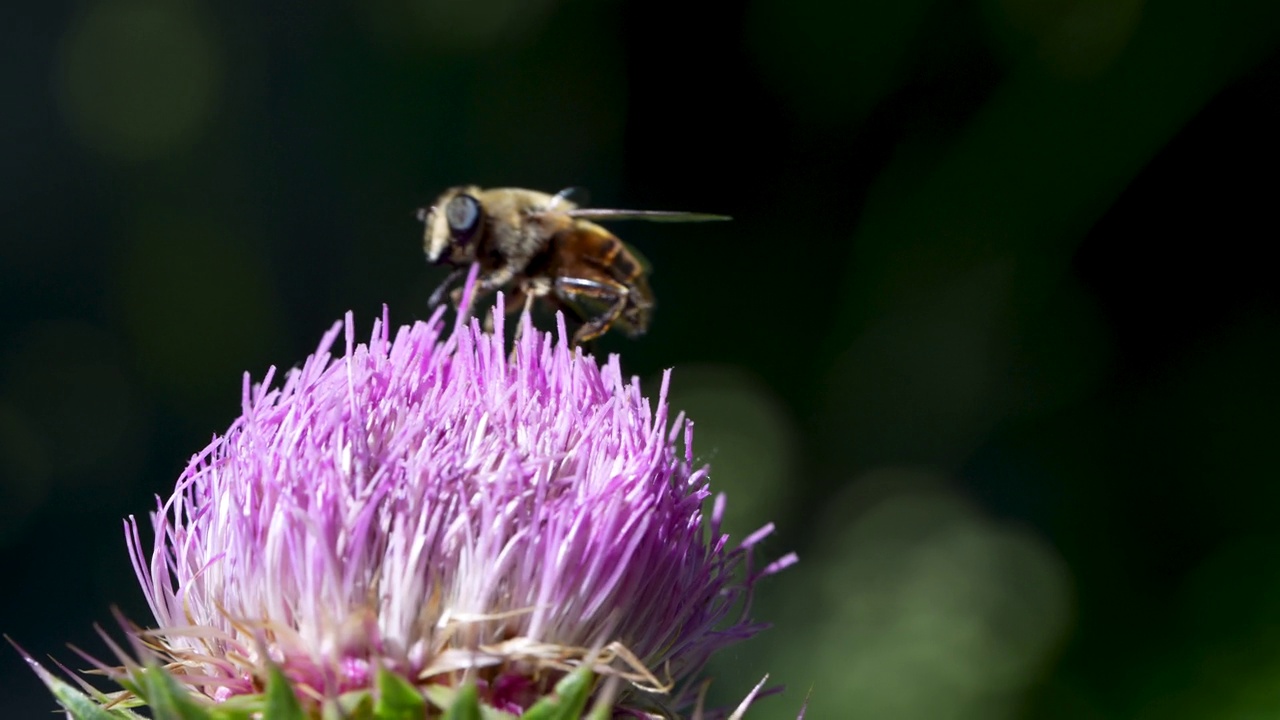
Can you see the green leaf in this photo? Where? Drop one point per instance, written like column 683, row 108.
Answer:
column 81, row 706
column 569, row 699
column 239, row 707
column 74, row 701
column 397, row 699
column 133, row 683
column 169, row 700
column 234, row 713
column 441, row 696
column 445, row 697
column 354, row 705
column 601, row 710
column 466, row 704
column 282, row 703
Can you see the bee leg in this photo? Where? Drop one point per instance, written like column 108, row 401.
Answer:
column 437, row 295
column 528, row 305
column 572, row 290
column 464, row 313
column 488, row 284
column 517, row 299
column 574, row 319
column 525, row 309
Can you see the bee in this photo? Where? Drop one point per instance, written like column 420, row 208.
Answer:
column 540, row 246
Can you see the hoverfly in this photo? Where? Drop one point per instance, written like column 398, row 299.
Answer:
column 537, row 245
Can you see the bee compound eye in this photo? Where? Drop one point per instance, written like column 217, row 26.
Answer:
column 463, row 215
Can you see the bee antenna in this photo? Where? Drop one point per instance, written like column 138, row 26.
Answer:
column 422, row 213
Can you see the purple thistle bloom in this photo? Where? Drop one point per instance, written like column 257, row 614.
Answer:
column 434, row 506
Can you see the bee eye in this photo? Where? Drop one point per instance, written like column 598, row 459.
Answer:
column 463, row 215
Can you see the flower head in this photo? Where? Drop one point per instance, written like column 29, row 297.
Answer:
column 432, row 505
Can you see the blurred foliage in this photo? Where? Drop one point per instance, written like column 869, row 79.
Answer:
column 991, row 339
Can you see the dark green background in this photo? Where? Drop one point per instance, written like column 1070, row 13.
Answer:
column 992, row 336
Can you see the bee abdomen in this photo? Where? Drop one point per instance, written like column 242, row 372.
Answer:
column 626, row 267
column 619, row 262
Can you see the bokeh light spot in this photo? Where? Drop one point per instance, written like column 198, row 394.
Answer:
column 1073, row 39
column 748, row 435
column 921, row 607
column 925, row 383
column 138, row 78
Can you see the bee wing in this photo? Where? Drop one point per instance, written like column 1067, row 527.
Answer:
column 645, row 265
column 650, row 215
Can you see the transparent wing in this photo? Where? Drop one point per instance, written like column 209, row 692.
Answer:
column 645, row 265
column 650, row 215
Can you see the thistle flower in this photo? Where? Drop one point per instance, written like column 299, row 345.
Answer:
column 431, row 508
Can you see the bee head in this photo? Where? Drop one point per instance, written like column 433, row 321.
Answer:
column 452, row 226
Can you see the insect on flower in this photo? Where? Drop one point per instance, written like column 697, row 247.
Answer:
column 542, row 246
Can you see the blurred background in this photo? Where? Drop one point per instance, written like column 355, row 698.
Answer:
column 991, row 338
